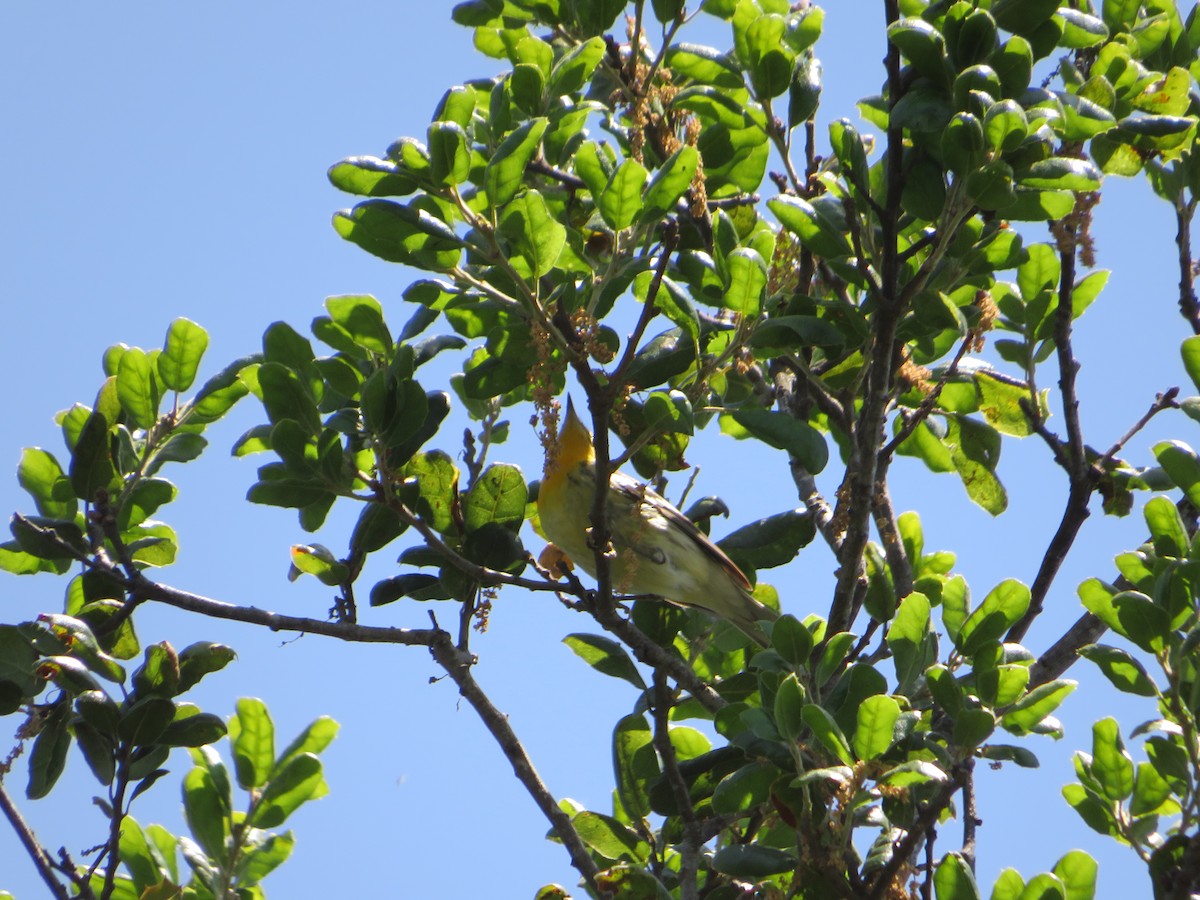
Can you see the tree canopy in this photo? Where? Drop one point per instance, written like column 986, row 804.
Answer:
column 660, row 225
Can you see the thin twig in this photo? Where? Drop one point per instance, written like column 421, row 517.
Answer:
column 889, row 534
column 142, row 587
column 1189, row 307
column 970, row 816
column 1165, row 400
column 458, row 667
column 41, row 857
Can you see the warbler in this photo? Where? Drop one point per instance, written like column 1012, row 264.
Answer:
column 658, row 550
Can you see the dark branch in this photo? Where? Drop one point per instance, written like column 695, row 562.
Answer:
column 458, row 666
column 41, row 857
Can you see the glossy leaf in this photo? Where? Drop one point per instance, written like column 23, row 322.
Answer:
column 875, row 732
column 1003, row 607
column 506, row 169
column 184, row 347
column 252, row 737
column 299, row 781
column 1123, row 670
column 954, row 880
column 635, row 764
column 1035, row 706
column 621, row 202
column 606, row 656
column 781, row 431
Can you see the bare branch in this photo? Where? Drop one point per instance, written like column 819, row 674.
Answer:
column 1065, row 651
column 893, row 546
column 1189, row 306
column 41, row 857
column 458, row 667
column 142, row 587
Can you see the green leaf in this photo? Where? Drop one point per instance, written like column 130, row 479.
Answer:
column 360, row 318
column 137, row 387
column 206, row 812
column 770, row 542
column 1000, row 404
column 1166, row 527
column 815, row 232
column 194, row 731
column 790, row 699
column 299, row 781
column 261, row 857
column 1112, row 766
column 200, row 659
column 907, row 638
column 417, row 585
column 49, row 538
column 635, row 764
column 575, row 67
column 828, row 733
column 498, row 495
column 1001, row 609
column 670, row 183
column 145, row 721
column 377, row 526
column 285, row 396
column 606, row 656
column 753, row 861
column 1060, row 173
column 621, row 202
column 505, row 172
column 449, row 154
column 610, row 838
column 252, row 736
column 48, row 757
column 781, row 431
column 921, row 44
column 747, row 281
column 954, row 880
column 437, row 482
column 178, row 363
column 875, row 731
column 1077, row 871
column 692, row 62
column 1096, row 813
column 1141, row 620
column 1182, row 467
column 975, row 451
column 43, row 478
column 1036, row 705
column 1022, row 16
column 400, row 233
column 370, row 176
column 540, row 237
column 1123, row 670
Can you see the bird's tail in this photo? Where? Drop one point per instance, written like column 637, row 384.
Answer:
column 740, row 608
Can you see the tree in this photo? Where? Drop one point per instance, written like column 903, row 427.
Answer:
column 856, row 323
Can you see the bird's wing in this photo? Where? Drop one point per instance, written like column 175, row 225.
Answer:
column 630, row 492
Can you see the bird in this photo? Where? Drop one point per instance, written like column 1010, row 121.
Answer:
column 657, row 549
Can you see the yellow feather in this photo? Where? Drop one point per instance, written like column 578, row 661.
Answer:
column 658, row 551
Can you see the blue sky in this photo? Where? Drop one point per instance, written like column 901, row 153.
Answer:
column 169, row 160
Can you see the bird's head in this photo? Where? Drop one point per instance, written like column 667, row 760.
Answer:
column 573, row 446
